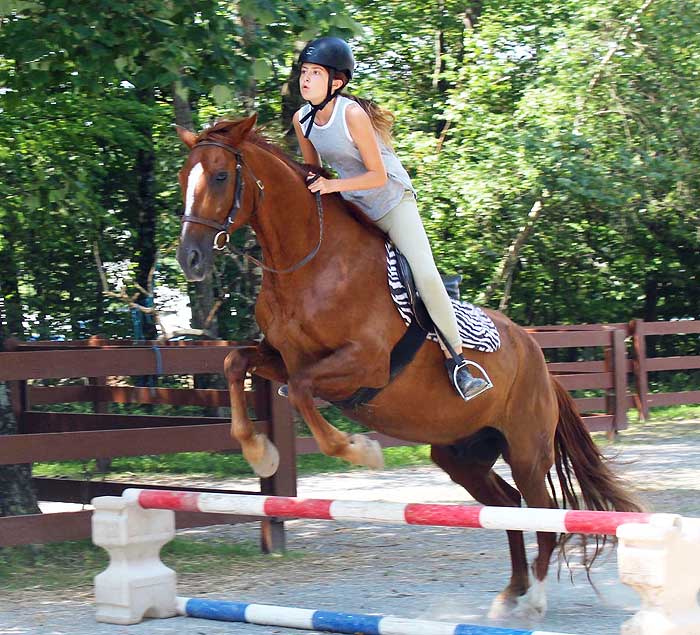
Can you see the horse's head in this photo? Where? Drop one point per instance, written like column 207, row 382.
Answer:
column 216, row 202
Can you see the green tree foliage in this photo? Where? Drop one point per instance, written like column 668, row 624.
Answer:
column 589, row 108
column 88, row 98
column 586, row 110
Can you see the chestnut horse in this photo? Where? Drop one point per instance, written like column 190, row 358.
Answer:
column 330, row 324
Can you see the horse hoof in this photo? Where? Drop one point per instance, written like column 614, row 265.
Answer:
column 366, row 452
column 533, row 605
column 528, row 608
column 502, row 607
column 265, row 459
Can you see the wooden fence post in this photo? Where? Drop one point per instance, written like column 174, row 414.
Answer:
column 619, row 357
column 282, row 432
column 610, row 393
column 640, row 368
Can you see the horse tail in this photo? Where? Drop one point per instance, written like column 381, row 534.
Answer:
column 575, row 451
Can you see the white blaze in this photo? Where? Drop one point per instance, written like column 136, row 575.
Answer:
column 192, row 180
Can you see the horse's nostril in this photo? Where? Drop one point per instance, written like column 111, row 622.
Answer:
column 194, row 258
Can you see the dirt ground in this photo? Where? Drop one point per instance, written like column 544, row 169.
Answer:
column 417, row 572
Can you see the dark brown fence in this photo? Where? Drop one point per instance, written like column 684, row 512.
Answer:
column 643, row 365
column 60, row 436
column 606, row 413
column 57, row 436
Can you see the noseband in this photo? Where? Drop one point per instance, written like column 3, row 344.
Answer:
column 222, row 233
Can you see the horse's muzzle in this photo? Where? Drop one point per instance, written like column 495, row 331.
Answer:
column 193, row 261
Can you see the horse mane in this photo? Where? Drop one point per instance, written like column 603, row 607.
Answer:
column 220, row 131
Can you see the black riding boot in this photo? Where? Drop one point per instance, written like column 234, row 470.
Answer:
column 464, row 382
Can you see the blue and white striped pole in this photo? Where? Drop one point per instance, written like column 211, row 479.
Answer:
column 330, row 621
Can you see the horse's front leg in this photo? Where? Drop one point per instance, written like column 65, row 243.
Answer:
column 336, row 374
column 257, row 449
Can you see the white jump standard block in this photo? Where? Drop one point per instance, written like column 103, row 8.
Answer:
column 136, row 584
column 661, row 561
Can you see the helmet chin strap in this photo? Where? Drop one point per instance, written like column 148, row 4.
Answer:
column 311, row 115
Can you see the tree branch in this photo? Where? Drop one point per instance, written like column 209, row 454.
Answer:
column 631, row 25
column 507, row 266
column 130, row 301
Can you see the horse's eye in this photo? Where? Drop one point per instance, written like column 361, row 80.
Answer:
column 222, row 176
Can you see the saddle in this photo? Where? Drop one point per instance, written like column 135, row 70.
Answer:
column 417, row 305
column 476, row 328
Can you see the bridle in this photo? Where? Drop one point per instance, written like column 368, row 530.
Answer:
column 222, row 237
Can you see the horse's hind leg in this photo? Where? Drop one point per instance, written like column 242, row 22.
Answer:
column 472, row 470
column 529, row 476
column 257, row 449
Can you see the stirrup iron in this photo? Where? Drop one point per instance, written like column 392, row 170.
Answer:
column 485, row 377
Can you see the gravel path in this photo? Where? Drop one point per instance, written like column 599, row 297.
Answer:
column 418, row 572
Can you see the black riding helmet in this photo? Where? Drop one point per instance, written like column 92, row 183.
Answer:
column 331, row 52
column 334, row 54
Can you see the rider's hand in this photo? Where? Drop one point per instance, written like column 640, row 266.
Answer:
column 321, row 184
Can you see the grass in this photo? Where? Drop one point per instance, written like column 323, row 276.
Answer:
column 668, row 424
column 64, row 565
column 227, row 465
column 674, row 413
column 72, row 565
column 218, row 464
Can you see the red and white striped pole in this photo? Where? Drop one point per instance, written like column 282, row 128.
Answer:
column 508, row 518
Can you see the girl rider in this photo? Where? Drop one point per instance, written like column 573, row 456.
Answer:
column 354, row 137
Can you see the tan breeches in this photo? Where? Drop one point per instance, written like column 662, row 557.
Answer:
column 405, row 228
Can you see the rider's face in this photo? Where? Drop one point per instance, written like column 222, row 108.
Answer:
column 313, row 82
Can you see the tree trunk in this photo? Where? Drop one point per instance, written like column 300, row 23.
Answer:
column 651, row 298
column 11, row 321
column 249, row 93
column 182, row 108
column 471, row 15
column 440, row 85
column 291, row 101
column 16, row 493
column 147, row 216
column 510, row 259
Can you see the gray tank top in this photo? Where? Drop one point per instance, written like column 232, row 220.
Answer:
column 336, row 147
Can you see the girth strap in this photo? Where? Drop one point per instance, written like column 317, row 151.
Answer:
column 401, row 356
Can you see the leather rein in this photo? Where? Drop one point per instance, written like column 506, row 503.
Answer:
column 222, row 238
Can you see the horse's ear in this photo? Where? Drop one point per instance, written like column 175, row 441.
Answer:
column 187, row 137
column 246, row 125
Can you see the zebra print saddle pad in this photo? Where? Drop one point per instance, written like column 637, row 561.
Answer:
column 477, row 330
